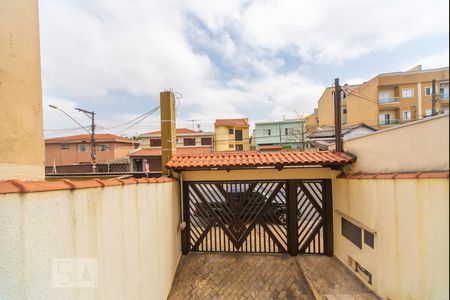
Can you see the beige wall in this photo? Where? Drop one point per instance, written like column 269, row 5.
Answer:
column 418, row 146
column 131, row 230
column 410, row 218
column 260, row 174
column 21, row 129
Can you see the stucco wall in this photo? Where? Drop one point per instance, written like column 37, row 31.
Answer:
column 21, row 129
column 410, row 217
column 418, row 146
column 131, row 230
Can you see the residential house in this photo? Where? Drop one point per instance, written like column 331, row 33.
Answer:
column 185, row 138
column 187, row 142
column 152, row 157
column 285, row 133
column 388, row 99
column 76, row 150
column 323, row 138
column 232, row 134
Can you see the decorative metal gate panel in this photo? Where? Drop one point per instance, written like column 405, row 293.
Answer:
column 310, row 217
column 257, row 217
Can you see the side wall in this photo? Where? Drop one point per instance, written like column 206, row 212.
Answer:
column 132, row 232
column 418, row 146
column 21, row 129
column 410, row 219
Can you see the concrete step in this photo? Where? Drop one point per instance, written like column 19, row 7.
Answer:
column 329, row 279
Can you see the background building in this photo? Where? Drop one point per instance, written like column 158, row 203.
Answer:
column 232, row 135
column 285, row 133
column 388, row 99
column 185, row 138
column 76, row 150
column 324, row 138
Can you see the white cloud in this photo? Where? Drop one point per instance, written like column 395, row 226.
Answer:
column 435, row 60
column 91, row 48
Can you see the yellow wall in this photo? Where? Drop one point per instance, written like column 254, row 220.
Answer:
column 326, row 108
column 131, row 230
column 363, row 110
column 223, row 140
column 417, row 146
column 21, row 129
column 367, row 110
column 410, row 217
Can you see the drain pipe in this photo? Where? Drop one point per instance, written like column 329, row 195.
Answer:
column 182, row 224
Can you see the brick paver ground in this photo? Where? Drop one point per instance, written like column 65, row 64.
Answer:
column 239, row 276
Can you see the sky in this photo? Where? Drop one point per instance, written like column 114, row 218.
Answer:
column 265, row 59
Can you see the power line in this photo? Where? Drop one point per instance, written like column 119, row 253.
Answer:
column 140, row 120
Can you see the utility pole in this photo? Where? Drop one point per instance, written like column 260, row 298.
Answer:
column 433, row 97
column 91, row 115
column 337, row 115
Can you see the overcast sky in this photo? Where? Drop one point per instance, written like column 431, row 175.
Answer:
column 227, row 58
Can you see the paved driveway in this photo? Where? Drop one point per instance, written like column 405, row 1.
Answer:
column 239, row 276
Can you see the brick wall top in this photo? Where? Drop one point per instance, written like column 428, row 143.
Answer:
column 408, row 175
column 18, row 186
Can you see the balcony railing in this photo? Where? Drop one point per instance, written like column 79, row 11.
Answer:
column 389, row 100
column 444, row 96
column 389, row 122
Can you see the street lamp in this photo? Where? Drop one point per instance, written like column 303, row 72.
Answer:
column 91, row 115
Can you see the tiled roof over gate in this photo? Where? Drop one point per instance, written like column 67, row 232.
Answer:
column 229, row 160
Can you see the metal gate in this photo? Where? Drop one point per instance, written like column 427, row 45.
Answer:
column 258, row 217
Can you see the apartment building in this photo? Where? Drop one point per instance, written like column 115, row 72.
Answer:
column 232, row 134
column 388, row 99
column 284, row 133
column 185, row 138
column 76, row 149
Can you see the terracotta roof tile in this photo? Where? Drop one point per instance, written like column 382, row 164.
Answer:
column 101, row 137
column 257, row 159
column 400, row 175
column 231, row 122
column 180, row 151
column 18, row 186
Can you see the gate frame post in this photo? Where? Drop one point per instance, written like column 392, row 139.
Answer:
column 186, row 216
column 328, row 218
column 291, row 211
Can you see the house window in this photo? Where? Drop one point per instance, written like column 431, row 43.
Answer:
column 231, row 146
column 406, row 115
column 238, row 135
column 189, row 141
column 428, row 112
column 267, row 132
column 408, row 93
column 65, row 147
column 155, row 142
column 231, row 131
column 289, row 131
column 369, row 239
column 239, row 147
column 82, row 147
column 385, row 119
column 206, row 141
column 428, row 91
column 103, row 147
column 352, row 232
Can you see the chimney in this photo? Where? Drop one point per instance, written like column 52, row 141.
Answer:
column 168, row 131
